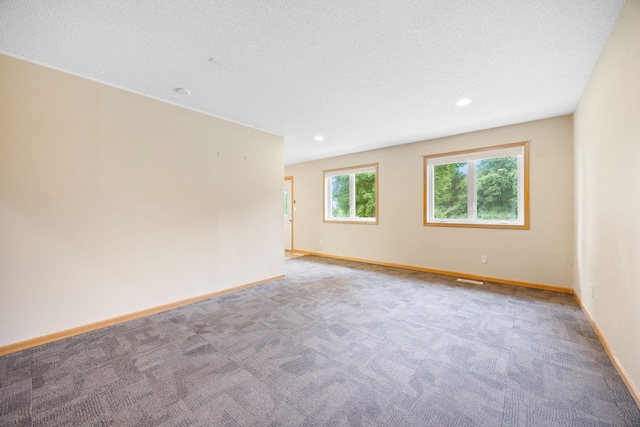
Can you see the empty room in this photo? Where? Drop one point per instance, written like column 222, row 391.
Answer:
column 321, row 213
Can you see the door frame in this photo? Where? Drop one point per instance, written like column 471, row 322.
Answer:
column 293, row 209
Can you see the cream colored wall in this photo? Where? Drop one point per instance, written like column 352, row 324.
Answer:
column 111, row 202
column 607, row 213
column 541, row 255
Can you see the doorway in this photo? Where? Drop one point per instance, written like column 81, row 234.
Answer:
column 289, row 202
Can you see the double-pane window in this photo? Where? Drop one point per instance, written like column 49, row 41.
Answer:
column 350, row 195
column 479, row 188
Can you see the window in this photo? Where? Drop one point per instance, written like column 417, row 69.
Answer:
column 286, row 202
column 350, row 194
column 478, row 188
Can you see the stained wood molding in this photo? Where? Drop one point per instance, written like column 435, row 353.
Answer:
column 448, row 273
column 633, row 390
column 34, row 342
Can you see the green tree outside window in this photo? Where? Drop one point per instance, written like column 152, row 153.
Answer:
column 497, row 188
column 366, row 195
column 351, row 194
column 450, row 190
column 487, row 187
column 340, row 196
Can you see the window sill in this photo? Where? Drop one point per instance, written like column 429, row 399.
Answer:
column 495, row 225
column 351, row 221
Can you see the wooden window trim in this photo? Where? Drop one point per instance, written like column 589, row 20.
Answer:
column 526, row 196
column 324, row 195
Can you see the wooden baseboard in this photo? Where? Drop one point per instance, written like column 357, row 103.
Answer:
column 448, row 273
column 633, row 390
column 34, row 342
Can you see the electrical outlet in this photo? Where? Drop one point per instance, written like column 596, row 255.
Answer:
column 483, row 259
column 320, row 241
column 592, row 290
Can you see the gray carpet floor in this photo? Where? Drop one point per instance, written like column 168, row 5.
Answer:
column 334, row 343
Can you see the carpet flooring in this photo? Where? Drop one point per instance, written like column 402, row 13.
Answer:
column 335, row 343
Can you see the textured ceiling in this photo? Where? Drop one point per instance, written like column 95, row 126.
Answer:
column 363, row 73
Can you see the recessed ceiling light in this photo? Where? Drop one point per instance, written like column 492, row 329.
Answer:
column 182, row 91
column 464, row 101
column 319, row 138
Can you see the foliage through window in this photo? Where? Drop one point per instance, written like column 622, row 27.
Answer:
column 480, row 188
column 350, row 195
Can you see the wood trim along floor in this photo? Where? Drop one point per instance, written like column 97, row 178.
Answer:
column 292, row 254
column 621, row 371
column 34, row 342
column 448, row 273
column 635, row 393
column 633, row 390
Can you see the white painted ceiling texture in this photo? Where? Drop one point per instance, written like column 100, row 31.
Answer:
column 364, row 74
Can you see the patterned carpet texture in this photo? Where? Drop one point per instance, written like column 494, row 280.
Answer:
column 335, row 343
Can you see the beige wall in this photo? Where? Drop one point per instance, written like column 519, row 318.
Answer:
column 607, row 213
column 111, row 202
column 541, row 255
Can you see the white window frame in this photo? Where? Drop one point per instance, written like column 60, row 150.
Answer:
column 519, row 149
column 327, row 200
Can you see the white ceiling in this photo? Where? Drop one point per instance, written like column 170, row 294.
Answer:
column 364, row 74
